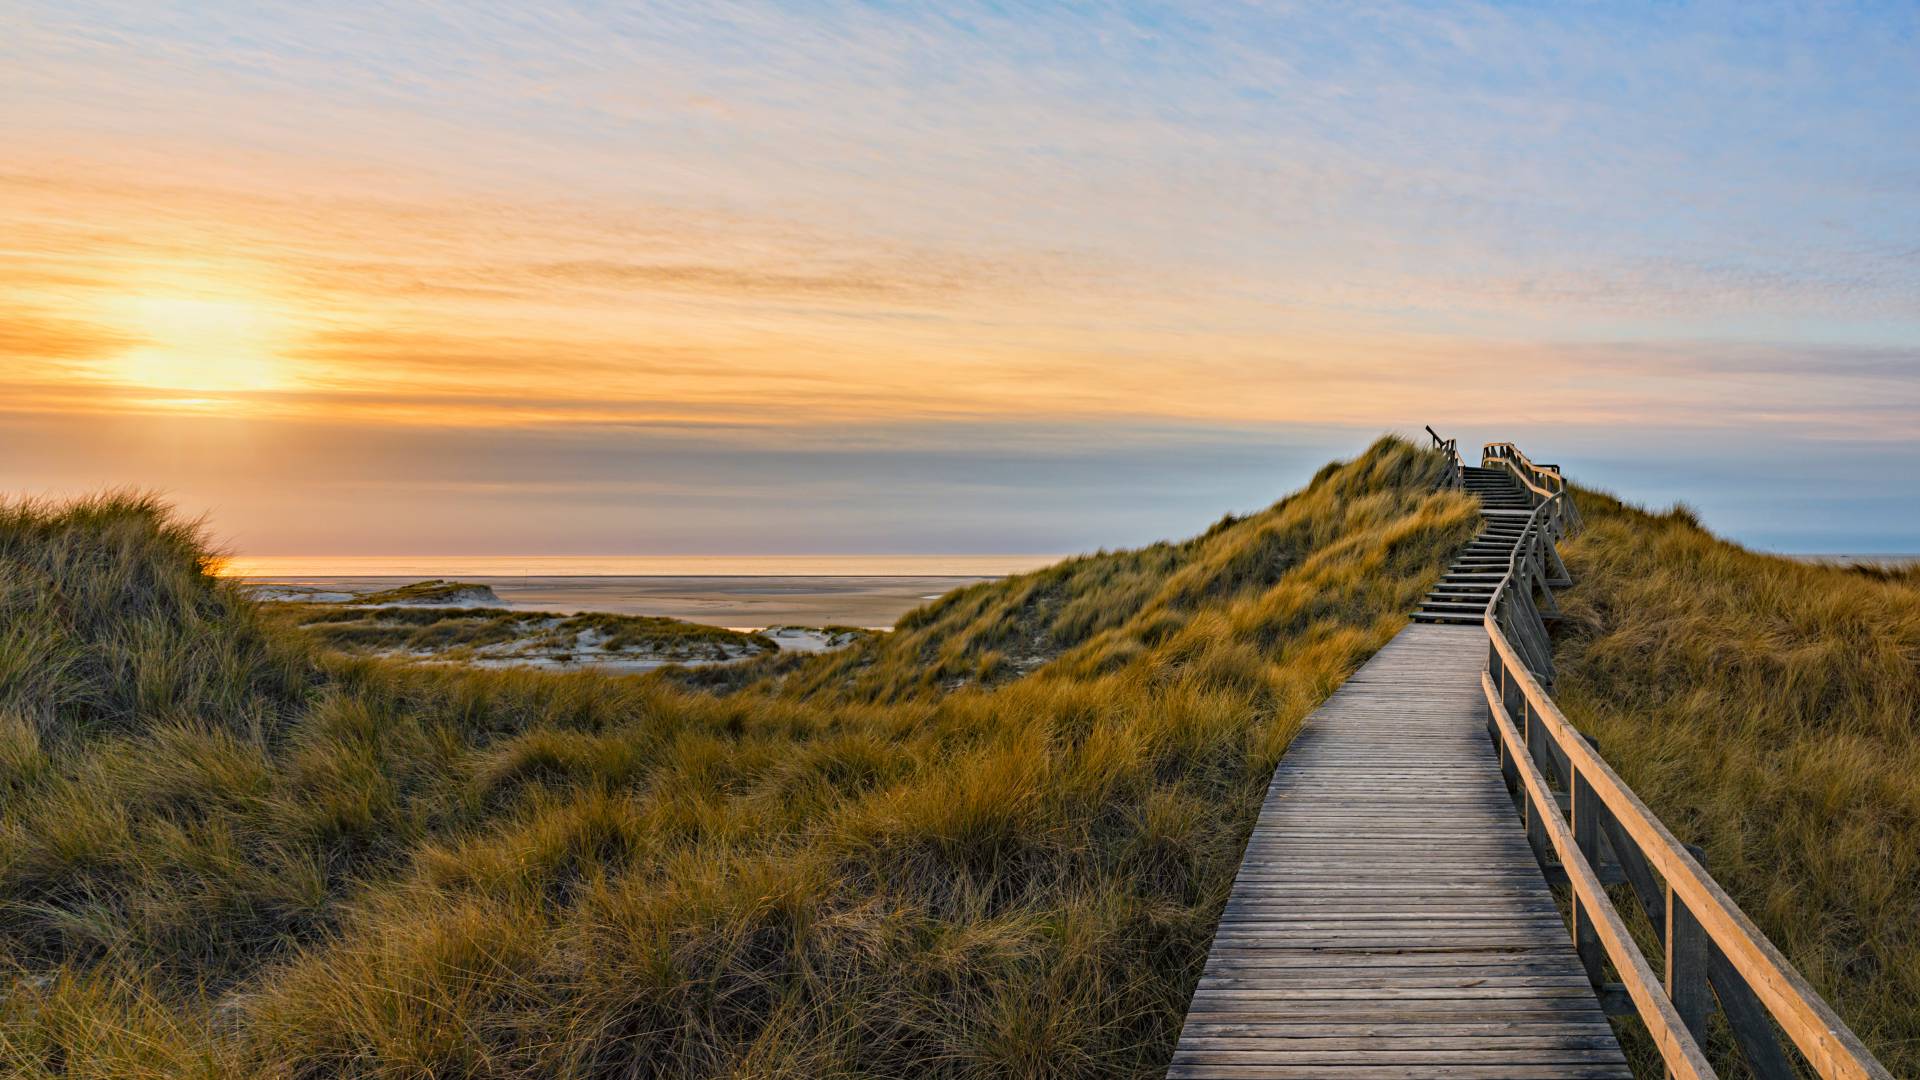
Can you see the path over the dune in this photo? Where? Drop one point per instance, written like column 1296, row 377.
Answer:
column 1389, row 918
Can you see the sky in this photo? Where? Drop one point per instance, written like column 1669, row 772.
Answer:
column 727, row 277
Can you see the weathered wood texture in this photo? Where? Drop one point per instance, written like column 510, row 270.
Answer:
column 1389, row 918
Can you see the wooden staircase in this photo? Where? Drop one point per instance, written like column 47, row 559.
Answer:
column 1470, row 582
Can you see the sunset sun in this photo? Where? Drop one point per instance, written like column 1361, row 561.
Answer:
column 206, row 344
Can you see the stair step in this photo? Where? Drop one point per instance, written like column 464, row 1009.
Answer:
column 1457, row 618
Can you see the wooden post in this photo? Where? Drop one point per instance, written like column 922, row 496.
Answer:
column 1508, row 770
column 1536, row 828
column 1686, row 967
column 1748, row 1020
column 1586, row 834
column 1493, row 670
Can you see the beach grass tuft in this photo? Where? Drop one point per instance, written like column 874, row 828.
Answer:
column 498, row 635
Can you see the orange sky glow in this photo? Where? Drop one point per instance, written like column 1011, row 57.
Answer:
column 888, row 239
column 243, row 305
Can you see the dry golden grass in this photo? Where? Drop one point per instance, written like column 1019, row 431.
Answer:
column 992, row 844
column 1769, row 711
column 469, row 633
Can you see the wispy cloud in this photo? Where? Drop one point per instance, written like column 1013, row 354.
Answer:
column 795, row 218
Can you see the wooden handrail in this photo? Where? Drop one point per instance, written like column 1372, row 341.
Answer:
column 1456, row 474
column 1713, row 953
column 1540, row 481
column 1507, row 453
column 1677, row 1044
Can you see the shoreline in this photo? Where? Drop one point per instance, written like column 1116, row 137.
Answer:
column 279, row 567
column 735, row 601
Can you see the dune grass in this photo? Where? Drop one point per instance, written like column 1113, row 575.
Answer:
column 994, row 843
column 467, row 633
column 434, row 591
column 1769, row 711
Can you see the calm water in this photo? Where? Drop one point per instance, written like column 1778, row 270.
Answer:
column 741, row 592
column 1891, row 561
column 464, row 567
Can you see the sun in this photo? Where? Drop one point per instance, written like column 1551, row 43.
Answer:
column 199, row 344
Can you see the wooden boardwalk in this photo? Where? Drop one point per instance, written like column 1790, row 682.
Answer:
column 1389, row 918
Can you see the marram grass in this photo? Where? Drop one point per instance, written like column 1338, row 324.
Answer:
column 1768, row 710
column 993, row 843
column 468, row 633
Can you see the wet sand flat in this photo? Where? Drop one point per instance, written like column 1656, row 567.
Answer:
column 737, row 601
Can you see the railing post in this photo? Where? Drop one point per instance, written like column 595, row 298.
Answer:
column 1686, row 965
column 1536, row 829
column 1747, row 1019
column 1586, row 833
column 1497, row 669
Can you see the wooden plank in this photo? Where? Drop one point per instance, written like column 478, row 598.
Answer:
column 1377, row 1071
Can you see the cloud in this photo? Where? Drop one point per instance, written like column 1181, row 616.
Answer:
column 31, row 342
column 780, row 224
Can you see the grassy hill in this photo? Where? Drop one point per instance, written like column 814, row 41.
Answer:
column 497, row 637
column 992, row 843
column 1768, row 710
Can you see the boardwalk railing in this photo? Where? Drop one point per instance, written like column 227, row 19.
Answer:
column 1584, row 821
column 1455, row 475
column 1523, row 600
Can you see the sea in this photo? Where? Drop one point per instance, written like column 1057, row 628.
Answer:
column 742, row 592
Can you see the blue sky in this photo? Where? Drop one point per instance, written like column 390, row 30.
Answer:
column 836, row 277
